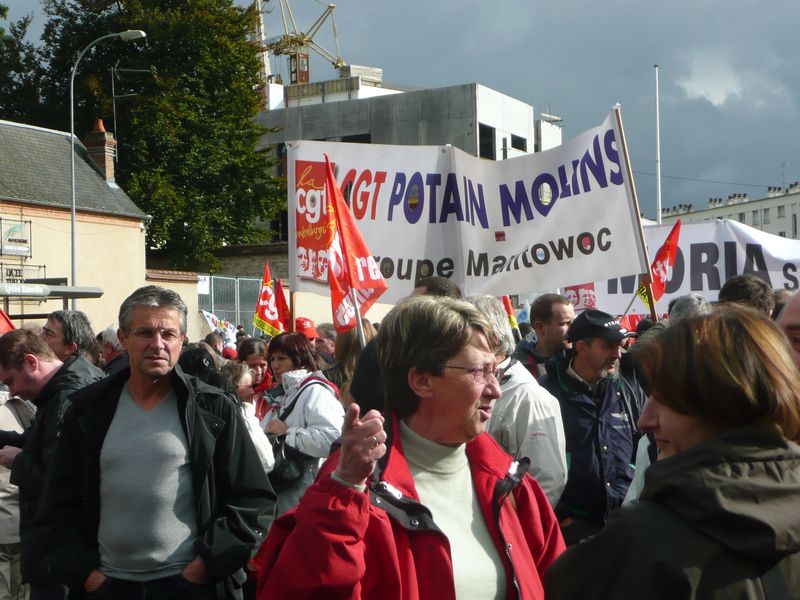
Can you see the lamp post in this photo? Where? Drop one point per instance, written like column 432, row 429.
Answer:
column 126, row 36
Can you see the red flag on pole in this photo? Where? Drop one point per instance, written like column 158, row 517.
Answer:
column 352, row 270
column 663, row 262
column 267, row 318
column 5, row 323
column 284, row 313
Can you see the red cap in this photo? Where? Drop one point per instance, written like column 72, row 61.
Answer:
column 229, row 353
column 306, row 327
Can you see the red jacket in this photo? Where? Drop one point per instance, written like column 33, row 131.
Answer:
column 342, row 543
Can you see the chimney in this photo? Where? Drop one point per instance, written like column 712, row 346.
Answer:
column 101, row 146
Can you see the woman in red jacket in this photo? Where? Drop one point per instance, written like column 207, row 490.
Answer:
column 421, row 503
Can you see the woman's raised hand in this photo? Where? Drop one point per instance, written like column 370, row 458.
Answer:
column 362, row 445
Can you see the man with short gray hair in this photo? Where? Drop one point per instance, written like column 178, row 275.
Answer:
column 113, row 352
column 68, row 333
column 157, row 490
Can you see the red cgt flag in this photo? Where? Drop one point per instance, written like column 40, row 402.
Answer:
column 663, row 262
column 267, row 317
column 284, row 314
column 351, row 266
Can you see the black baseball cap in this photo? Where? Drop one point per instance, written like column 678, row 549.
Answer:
column 594, row 323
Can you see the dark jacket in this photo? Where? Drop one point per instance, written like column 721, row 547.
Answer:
column 717, row 521
column 366, row 387
column 117, row 364
column 602, row 434
column 233, row 499
column 34, row 462
column 346, row 544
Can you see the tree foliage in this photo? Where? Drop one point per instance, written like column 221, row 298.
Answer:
column 20, row 72
column 186, row 105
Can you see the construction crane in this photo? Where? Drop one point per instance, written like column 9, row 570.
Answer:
column 295, row 43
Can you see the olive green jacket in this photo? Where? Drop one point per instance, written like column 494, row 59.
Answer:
column 718, row 521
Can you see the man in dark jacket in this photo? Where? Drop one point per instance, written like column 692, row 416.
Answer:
column 31, row 371
column 551, row 316
column 600, row 410
column 114, row 354
column 157, row 490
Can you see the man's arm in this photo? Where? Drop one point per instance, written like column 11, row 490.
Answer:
column 13, row 438
column 245, row 500
column 63, row 513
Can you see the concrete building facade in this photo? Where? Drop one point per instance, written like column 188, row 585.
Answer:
column 477, row 119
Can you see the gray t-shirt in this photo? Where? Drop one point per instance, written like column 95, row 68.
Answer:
column 148, row 523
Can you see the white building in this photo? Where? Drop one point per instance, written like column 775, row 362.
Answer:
column 359, row 107
column 777, row 214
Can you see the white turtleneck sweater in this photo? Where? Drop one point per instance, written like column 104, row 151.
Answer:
column 444, row 484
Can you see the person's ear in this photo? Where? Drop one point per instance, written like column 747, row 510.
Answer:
column 420, row 382
column 122, row 337
column 30, row 362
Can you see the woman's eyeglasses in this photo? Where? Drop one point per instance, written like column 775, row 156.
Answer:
column 480, row 374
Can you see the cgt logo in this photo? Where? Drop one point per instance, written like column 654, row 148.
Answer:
column 310, row 201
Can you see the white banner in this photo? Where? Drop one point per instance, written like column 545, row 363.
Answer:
column 534, row 222
column 709, row 254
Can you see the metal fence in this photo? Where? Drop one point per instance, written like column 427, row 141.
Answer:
column 232, row 298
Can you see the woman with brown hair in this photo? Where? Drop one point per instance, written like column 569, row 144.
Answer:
column 718, row 514
column 309, row 416
column 348, row 351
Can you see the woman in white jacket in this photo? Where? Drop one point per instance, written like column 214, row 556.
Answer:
column 241, row 380
column 309, row 413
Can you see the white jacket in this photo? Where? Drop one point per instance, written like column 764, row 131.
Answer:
column 526, row 422
column 258, row 435
column 314, row 424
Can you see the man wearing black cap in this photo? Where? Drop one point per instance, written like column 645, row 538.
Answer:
column 600, row 411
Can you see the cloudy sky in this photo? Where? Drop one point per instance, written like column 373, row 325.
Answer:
column 729, row 74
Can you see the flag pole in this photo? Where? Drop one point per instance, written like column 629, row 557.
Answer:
column 658, row 154
column 362, row 339
column 635, row 201
column 292, row 305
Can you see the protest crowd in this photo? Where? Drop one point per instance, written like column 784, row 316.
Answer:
column 450, row 457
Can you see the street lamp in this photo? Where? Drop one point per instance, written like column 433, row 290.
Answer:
column 126, row 36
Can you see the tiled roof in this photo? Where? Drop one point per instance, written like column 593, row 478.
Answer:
column 35, row 169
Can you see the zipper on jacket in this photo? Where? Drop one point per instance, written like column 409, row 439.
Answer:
column 503, row 488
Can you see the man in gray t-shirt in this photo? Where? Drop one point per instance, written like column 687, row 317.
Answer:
column 159, row 470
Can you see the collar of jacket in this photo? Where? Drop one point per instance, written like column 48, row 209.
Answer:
column 492, row 469
column 97, row 403
column 576, row 387
column 74, row 373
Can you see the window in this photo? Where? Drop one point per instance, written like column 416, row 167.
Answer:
column 794, row 226
column 519, row 143
column 781, row 212
column 782, row 233
column 756, row 220
column 486, row 142
column 741, row 217
column 765, row 218
column 358, row 138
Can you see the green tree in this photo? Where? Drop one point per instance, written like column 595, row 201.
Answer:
column 20, row 72
column 186, row 124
